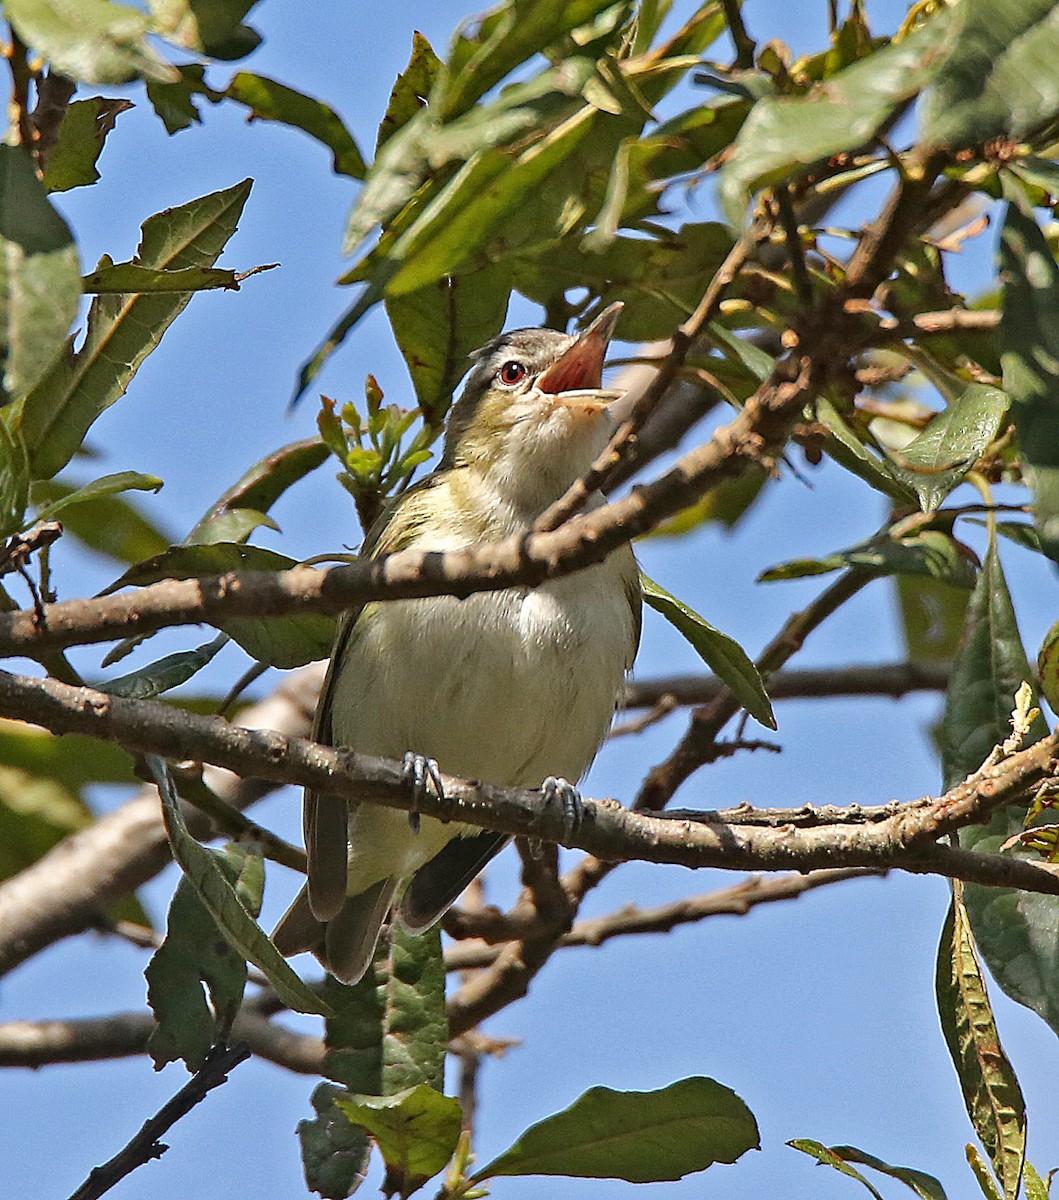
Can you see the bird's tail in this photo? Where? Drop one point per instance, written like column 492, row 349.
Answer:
column 345, row 945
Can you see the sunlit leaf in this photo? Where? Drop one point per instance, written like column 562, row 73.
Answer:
column 933, row 553
column 416, row 1131
column 123, row 330
column 105, row 485
column 38, row 270
column 94, row 41
column 642, row 1137
column 132, row 278
column 215, row 28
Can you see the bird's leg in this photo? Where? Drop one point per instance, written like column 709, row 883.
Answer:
column 556, row 789
column 419, row 772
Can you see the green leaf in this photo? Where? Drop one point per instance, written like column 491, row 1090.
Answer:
column 827, row 1157
column 1015, row 930
column 783, row 136
column 93, row 41
column 334, row 1153
column 105, row 485
column 14, row 479
column 71, row 760
column 168, row 672
column 722, row 654
column 121, row 278
column 272, row 101
column 410, row 90
column 35, row 814
column 935, row 461
column 123, row 330
column 280, row 641
column 174, row 103
column 225, row 906
column 213, row 28
column 847, row 449
column 85, row 125
column 642, row 1137
column 40, row 280
column 990, row 1088
column 932, row 617
column 1030, row 354
column 997, row 79
column 988, row 671
column 933, row 553
column 925, row 1186
column 108, row 525
column 416, row 1131
column 1036, row 1188
column 386, row 1034
column 438, row 326
column 260, row 487
column 194, row 953
column 981, row 1173
column 1048, row 667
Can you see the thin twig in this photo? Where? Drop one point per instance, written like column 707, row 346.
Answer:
column 146, row 1145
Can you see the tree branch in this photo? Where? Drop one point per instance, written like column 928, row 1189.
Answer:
column 146, row 1145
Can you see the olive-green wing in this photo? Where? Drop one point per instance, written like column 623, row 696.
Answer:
column 325, row 819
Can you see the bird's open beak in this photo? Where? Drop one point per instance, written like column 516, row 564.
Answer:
column 581, row 367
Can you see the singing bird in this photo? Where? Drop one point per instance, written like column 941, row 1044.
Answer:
column 512, row 687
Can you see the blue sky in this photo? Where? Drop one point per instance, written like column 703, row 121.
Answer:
column 819, row 1013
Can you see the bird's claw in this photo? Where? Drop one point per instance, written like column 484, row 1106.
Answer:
column 420, row 772
column 556, row 789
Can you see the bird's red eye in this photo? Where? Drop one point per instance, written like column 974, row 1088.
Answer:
column 512, row 372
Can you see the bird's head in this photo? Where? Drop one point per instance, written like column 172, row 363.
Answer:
column 533, row 413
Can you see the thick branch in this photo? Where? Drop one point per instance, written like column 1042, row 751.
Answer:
column 903, row 836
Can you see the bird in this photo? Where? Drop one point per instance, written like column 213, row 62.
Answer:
column 515, row 687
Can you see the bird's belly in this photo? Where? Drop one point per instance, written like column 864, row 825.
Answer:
column 507, row 687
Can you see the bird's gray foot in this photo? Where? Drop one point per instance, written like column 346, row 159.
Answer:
column 420, row 772
column 557, row 790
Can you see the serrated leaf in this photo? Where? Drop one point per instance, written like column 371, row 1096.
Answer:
column 195, row 953
column 925, row 1186
column 416, row 1131
column 224, row 905
column 1030, row 354
column 933, row 553
column 215, row 28
column 94, row 41
column 272, row 101
column 827, row 1157
column 121, row 278
column 935, row 461
column 123, row 330
column 990, row 1088
column 38, row 266
column 642, row 1137
column 84, row 128
column 280, row 641
column 722, row 654
column 105, row 485
column 784, row 135
column 997, row 79
column 168, row 672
